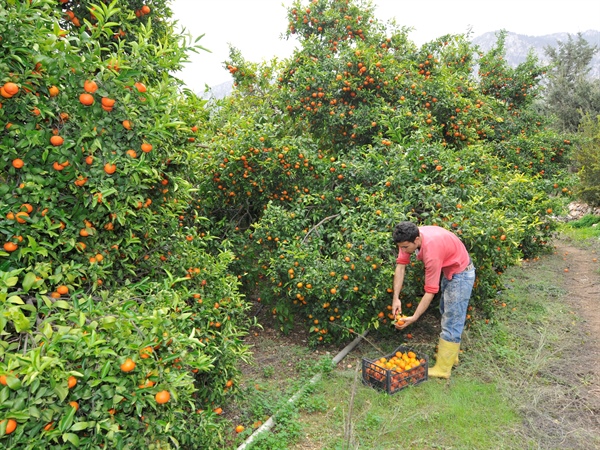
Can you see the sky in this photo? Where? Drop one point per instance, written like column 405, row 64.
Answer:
column 255, row 27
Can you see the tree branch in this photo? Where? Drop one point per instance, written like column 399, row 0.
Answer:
column 317, row 225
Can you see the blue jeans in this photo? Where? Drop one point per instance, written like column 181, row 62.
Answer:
column 454, row 301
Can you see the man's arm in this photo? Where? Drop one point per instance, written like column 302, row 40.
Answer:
column 423, row 305
column 398, row 282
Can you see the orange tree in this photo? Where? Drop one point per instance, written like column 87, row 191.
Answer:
column 118, row 326
column 320, row 156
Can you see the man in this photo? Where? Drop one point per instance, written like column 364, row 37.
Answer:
column 443, row 255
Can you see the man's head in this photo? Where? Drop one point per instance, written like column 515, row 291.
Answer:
column 406, row 236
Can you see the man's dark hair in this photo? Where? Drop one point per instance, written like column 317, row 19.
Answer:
column 405, row 232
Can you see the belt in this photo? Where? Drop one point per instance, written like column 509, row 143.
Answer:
column 469, row 267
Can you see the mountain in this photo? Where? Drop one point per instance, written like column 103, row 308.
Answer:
column 218, row 91
column 518, row 45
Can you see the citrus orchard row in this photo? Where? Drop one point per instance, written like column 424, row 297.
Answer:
column 370, row 130
column 119, row 329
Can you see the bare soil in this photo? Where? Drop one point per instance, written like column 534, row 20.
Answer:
column 566, row 412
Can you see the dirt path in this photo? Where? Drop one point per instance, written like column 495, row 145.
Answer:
column 582, row 282
column 566, row 412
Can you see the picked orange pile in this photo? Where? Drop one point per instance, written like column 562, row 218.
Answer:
column 400, row 362
column 404, row 368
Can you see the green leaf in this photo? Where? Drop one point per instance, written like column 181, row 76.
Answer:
column 29, row 281
column 62, row 304
column 47, row 330
column 70, row 437
column 67, row 420
column 22, row 324
column 105, row 369
column 15, row 300
column 13, row 382
column 12, row 281
column 62, row 393
column 78, row 426
column 4, row 393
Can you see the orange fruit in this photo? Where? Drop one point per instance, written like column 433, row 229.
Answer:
column 162, row 397
column 239, row 428
column 127, row 124
column 62, row 290
column 80, row 181
column 49, row 426
column 74, row 404
column 140, row 86
column 71, row 382
column 128, row 365
column 131, row 153
column 3, row 93
column 146, row 147
column 146, row 384
column 27, row 207
column 53, row 91
column 108, row 102
column 11, row 425
column 146, row 352
column 20, row 216
column 89, row 159
column 86, row 99
column 11, row 88
column 110, row 168
column 145, row 9
column 17, row 163
column 90, row 86
column 56, row 140
column 218, row 411
column 3, row 380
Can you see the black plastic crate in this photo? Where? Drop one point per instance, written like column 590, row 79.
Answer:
column 390, row 376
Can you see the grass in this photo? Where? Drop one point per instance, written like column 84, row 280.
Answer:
column 583, row 229
column 514, row 388
column 430, row 415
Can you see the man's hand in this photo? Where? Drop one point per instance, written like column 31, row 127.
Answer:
column 403, row 322
column 396, row 307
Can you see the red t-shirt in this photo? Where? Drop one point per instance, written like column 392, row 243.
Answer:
column 441, row 252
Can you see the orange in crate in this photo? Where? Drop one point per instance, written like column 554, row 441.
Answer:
column 391, row 373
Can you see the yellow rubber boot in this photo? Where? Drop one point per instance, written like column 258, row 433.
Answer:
column 446, row 356
column 456, row 361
